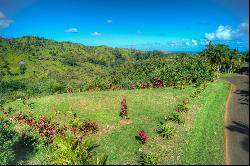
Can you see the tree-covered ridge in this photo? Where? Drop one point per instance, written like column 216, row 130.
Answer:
column 37, row 66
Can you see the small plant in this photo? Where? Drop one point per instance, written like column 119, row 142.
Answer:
column 72, row 150
column 175, row 117
column 89, row 127
column 101, row 160
column 143, row 137
column 166, row 131
column 149, row 159
column 124, row 109
column 182, row 107
column 75, row 122
column 69, row 89
column 158, row 83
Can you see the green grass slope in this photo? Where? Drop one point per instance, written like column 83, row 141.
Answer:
column 205, row 145
column 193, row 142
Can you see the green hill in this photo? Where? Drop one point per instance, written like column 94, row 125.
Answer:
column 37, row 66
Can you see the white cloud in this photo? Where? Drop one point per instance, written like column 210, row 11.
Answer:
column 227, row 33
column 96, row 34
column 209, row 36
column 194, row 42
column 224, row 33
column 4, row 22
column 243, row 28
column 109, row 21
column 187, row 43
column 72, row 30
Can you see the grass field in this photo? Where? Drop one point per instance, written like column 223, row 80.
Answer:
column 198, row 141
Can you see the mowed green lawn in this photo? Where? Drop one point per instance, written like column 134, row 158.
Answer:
column 191, row 142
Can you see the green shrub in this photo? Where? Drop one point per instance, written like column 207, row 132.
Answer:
column 175, row 117
column 101, row 160
column 8, row 137
column 182, row 107
column 75, row 122
column 72, row 150
column 149, row 159
column 166, row 130
column 89, row 127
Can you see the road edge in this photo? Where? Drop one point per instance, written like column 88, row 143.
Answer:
column 226, row 153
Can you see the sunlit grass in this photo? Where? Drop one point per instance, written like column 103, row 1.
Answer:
column 146, row 108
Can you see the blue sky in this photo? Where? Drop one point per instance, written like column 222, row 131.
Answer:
column 171, row 25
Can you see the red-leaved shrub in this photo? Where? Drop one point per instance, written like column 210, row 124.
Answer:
column 124, row 109
column 142, row 136
column 158, row 83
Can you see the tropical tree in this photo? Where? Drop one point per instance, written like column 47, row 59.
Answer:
column 217, row 54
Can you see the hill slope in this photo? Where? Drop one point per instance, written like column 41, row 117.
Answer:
column 146, row 108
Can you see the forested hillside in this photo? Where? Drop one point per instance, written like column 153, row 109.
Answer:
column 37, row 66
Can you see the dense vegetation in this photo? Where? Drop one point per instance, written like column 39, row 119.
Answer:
column 59, row 129
column 36, row 66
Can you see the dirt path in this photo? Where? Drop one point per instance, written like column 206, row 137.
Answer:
column 237, row 120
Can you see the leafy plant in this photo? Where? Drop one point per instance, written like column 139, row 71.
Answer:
column 75, row 122
column 8, row 137
column 143, row 137
column 71, row 150
column 158, row 83
column 124, row 109
column 175, row 117
column 101, row 160
column 149, row 159
column 166, row 130
column 182, row 107
column 89, row 127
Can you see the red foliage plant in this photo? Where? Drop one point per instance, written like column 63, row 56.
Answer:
column 124, row 108
column 142, row 136
column 158, row 83
column 178, row 110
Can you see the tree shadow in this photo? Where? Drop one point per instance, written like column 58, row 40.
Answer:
column 23, row 149
column 244, row 70
column 243, row 129
column 244, row 99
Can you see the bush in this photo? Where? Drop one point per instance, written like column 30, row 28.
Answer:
column 90, row 127
column 143, row 137
column 124, row 109
column 71, row 150
column 182, row 108
column 175, row 117
column 149, row 159
column 7, row 139
column 166, row 131
column 75, row 122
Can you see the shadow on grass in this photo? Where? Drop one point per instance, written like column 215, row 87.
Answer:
column 23, row 149
column 138, row 139
column 243, row 129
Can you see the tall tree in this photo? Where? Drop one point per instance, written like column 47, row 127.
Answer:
column 217, row 54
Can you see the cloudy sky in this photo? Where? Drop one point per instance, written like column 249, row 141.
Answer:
column 171, row 25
